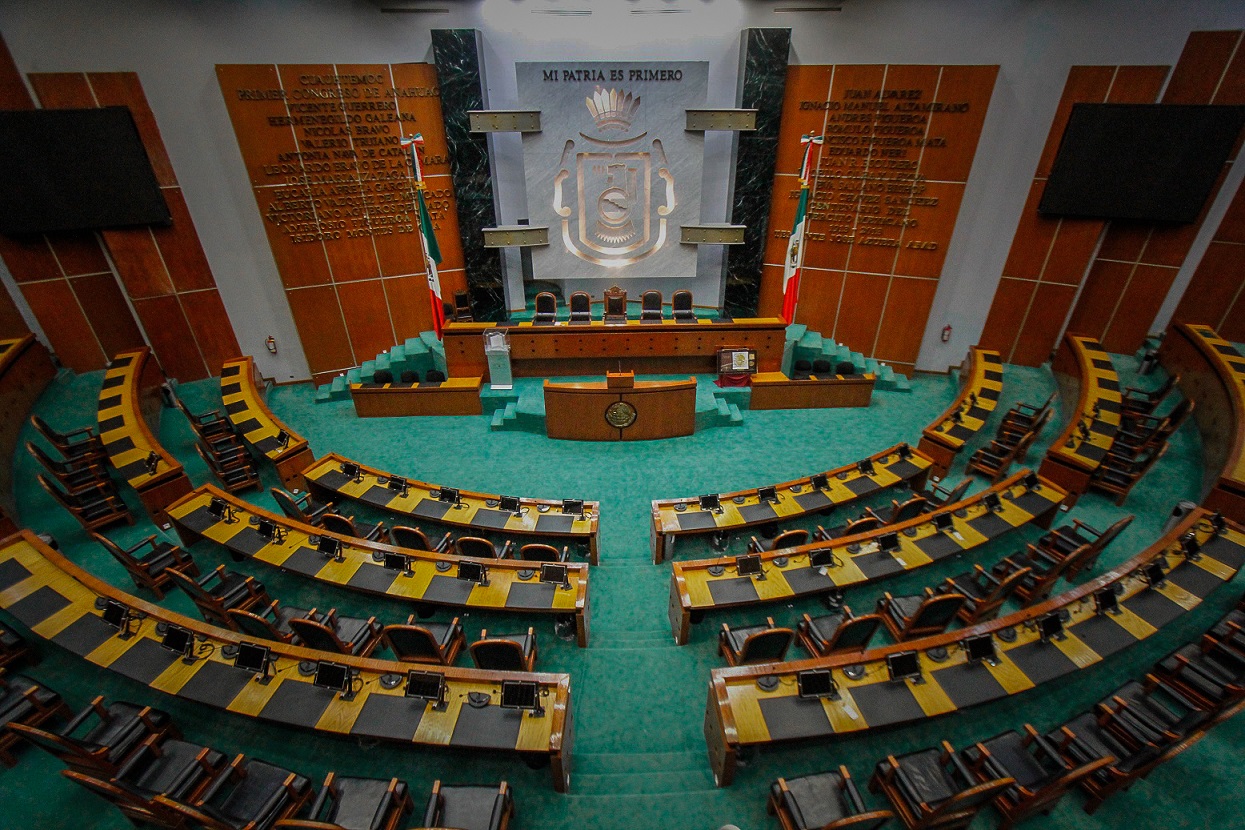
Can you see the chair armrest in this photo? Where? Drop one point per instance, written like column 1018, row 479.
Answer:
column 232, row 772
column 821, row 534
column 434, row 809
column 906, row 788
column 507, row 550
column 853, row 794
column 443, row 545
column 88, row 431
column 79, row 719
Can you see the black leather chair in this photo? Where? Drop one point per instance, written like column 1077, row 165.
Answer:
column 301, row 508
column 1157, row 710
column 505, row 652
column 22, row 700
column 100, row 737
column 919, row 615
column 74, row 476
column 822, row 367
column 546, row 309
column 650, row 307
column 932, row 788
column 845, row 368
column 346, row 526
column 221, row 590
column 76, row 445
column 838, row 632
column 681, row 306
column 381, row 377
column 269, row 623
column 615, row 306
column 801, row 369
column 754, row 643
column 983, row 592
column 1042, row 775
column 426, row 642
column 434, row 376
column 409, row 376
column 349, row 803
column 536, row 552
column 1208, row 672
column 176, row 769
column 92, row 508
column 823, row 801
column 479, row 548
column 1063, row 541
column 341, row 635
column 148, row 562
column 468, row 807
column 413, row 538
column 13, row 648
column 581, row 308
column 786, row 539
column 1136, row 401
column 236, row 473
column 463, row 312
column 248, row 794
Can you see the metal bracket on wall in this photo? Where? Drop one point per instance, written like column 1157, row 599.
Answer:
column 504, row 121
column 712, row 234
column 740, row 121
column 515, row 236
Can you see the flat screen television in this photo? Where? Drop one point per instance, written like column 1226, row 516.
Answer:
column 1140, row 162
column 67, row 170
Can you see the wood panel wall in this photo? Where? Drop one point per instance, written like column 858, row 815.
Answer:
column 1216, row 294
column 1049, row 256
column 900, row 142
column 64, row 277
column 163, row 270
column 335, row 194
column 1137, row 263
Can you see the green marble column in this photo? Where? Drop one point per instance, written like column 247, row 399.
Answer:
column 460, row 75
column 762, row 82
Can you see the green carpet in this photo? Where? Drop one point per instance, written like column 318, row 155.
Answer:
column 638, row 699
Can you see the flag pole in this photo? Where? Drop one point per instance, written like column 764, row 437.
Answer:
column 432, row 252
column 793, row 265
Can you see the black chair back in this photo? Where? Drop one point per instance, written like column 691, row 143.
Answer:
column 497, row 655
column 409, row 376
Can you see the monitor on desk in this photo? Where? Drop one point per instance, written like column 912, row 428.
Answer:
column 351, row 470
column 178, row 640
column 329, row 546
column 398, row 485
column 816, row 683
column 748, row 565
column 888, row 542
column 767, row 494
column 573, row 507
column 555, row 573
column 823, row 558
column 521, row 694
column 821, row 481
column 333, row 676
column 943, row 522
column 1050, row 627
column 1153, row 574
column 865, row 467
column 217, row 508
column 980, row 648
column 425, row 685
column 116, row 615
column 449, row 495
column 1031, row 481
column 269, row 531
column 396, row 562
column 253, row 658
column 905, row 451
column 1190, row 546
column 283, row 439
column 902, row 666
column 992, row 502
column 509, row 504
column 710, row 501
column 469, row 571
column 1106, row 601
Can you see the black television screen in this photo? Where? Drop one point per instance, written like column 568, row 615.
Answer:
column 75, row 170
column 1140, row 162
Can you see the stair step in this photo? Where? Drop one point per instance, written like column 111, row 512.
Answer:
column 645, row 782
column 324, row 393
column 885, row 373
column 382, row 361
column 354, row 376
column 368, row 369
column 795, row 331
column 607, row 763
column 724, row 409
column 811, row 340
column 414, row 346
column 737, row 417
column 902, row 384
column 499, row 419
column 871, row 366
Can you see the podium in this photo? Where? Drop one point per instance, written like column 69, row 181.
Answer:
column 620, row 409
column 497, row 353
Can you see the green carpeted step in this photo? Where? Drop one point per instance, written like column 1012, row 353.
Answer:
column 646, row 782
column 415, row 346
column 811, row 341
column 613, row 763
column 381, row 362
column 885, row 374
column 324, row 393
column 368, row 369
column 736, row 417
column 354, row 376
column 795, row 331
column 499, row 419
column 871, row 366
column 397, row 354
column 902, row 384
column 724, row 409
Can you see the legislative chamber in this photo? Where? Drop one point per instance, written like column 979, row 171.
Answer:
column 499, row 416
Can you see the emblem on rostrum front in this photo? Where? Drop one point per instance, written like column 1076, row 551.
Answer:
column 613, row 194
column 620, row 414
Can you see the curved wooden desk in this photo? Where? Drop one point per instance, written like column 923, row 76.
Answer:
column 254, row 421
column 452, row 396
column 594, row 348
column 61, row 603
column 655, row 408
column 706, row 584
column 981, row 377
column 541, row 518
column 1212, row 373
column 774, row 390
column 25, row 371
column 1090, row 391
column 129, row 413
column 514, row 585
column 673, row 518
column 740, row 713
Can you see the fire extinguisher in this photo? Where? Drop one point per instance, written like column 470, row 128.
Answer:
column 946, row 334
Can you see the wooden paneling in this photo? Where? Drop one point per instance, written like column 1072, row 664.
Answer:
column 1124, row 312
column 110, row 318
column 335, row 192
column 1049, row 257
column 1214, row 295
column 217, row 343
column 68, row 331
column 154, row 264
column 886, row 192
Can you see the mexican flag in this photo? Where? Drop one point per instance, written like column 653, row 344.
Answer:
column 794, row 261
column 432, row 252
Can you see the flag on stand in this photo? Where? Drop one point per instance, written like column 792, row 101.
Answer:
column 794, row 262
column 432, row 253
